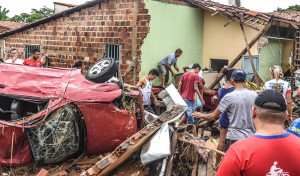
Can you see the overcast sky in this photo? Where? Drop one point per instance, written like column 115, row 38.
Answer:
column 21, row 6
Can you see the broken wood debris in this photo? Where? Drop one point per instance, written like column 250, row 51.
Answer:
column 132, row 144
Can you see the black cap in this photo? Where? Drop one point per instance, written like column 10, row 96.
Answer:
column 270, row 96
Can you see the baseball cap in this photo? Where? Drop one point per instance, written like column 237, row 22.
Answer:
column 270, row 96
column 238, row 74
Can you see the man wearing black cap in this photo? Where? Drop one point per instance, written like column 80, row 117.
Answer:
column 271, row 150
column 238, row 106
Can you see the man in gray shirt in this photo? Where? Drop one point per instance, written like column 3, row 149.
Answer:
column 166, row 63
column 238, row 105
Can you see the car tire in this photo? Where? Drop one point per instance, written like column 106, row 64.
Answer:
column 102, row 71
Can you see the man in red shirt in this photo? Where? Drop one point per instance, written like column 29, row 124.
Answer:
column 271, row 150
column 188, row 85
column 34, row 59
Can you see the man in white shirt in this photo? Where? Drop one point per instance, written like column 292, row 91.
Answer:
column 14, row 57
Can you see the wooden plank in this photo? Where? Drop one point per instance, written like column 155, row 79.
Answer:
column 133, row 144
column 199, row 145
column 210, row 165
column 239, row 56
column 250, row 56
column 171, row 157
column 293, row 59
column 195, row 165
column 202, row 168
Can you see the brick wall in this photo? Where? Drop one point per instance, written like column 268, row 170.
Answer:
column 81, row 35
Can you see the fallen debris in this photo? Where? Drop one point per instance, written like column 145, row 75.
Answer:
column 43, row 172
column 132, row 144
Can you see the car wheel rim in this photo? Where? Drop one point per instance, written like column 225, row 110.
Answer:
column 99, row 67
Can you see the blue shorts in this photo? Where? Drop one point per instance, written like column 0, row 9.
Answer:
column 190, row 111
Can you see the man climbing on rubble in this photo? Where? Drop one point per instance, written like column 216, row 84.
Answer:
column 271, row 150
column 238, row 106
column 165, row 65
column 188, row 86
column 145, row 85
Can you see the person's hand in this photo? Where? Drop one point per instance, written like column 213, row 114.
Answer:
column 14, row 58
column 156, row 102
column 292, row 118
column 177, row 69
column 202, row 101
column 173, row 74
column 197, row 114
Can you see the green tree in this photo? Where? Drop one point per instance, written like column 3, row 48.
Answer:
column 20, row 18
column 3, row 14
column 35, row 15
column 44, row 11
column 289, row 9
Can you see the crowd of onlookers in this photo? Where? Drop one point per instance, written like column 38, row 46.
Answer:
column 34, row 60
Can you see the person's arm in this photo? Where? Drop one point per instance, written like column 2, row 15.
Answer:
column 298, row 92
column 179, row 87
column 185, row 68
column 289, row 104
column 203, row 81
column 140, row 84
column 128, row 86
column 169, row 67
column 210, row 116
column 176, row 68
column 154, row 98
column 195, row 100
column 199, row 94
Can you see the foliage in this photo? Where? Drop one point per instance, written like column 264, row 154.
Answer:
column 289, row 9
column 35, row 15
column 3, row 14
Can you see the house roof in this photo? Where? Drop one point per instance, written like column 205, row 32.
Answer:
column 64, row 4
column 293, row 16
column 252, row 19
column 11, row 25
column 53, row 17
column 248, row 17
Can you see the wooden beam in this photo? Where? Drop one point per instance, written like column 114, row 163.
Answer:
column 288, row 22
column 239, row 56
column 292, row 68
column 250, row 56
column 171, row 157
column 202, row 146
column 228, row 23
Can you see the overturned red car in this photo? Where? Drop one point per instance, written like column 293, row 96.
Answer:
column 50, row 114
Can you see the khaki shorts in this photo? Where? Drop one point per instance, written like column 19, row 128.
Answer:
column 162, row 69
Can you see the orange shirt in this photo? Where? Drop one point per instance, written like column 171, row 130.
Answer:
column 33, row 63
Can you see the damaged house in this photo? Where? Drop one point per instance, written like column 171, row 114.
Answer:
column 141, row 33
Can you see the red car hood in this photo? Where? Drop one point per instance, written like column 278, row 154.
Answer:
column 47, row 83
